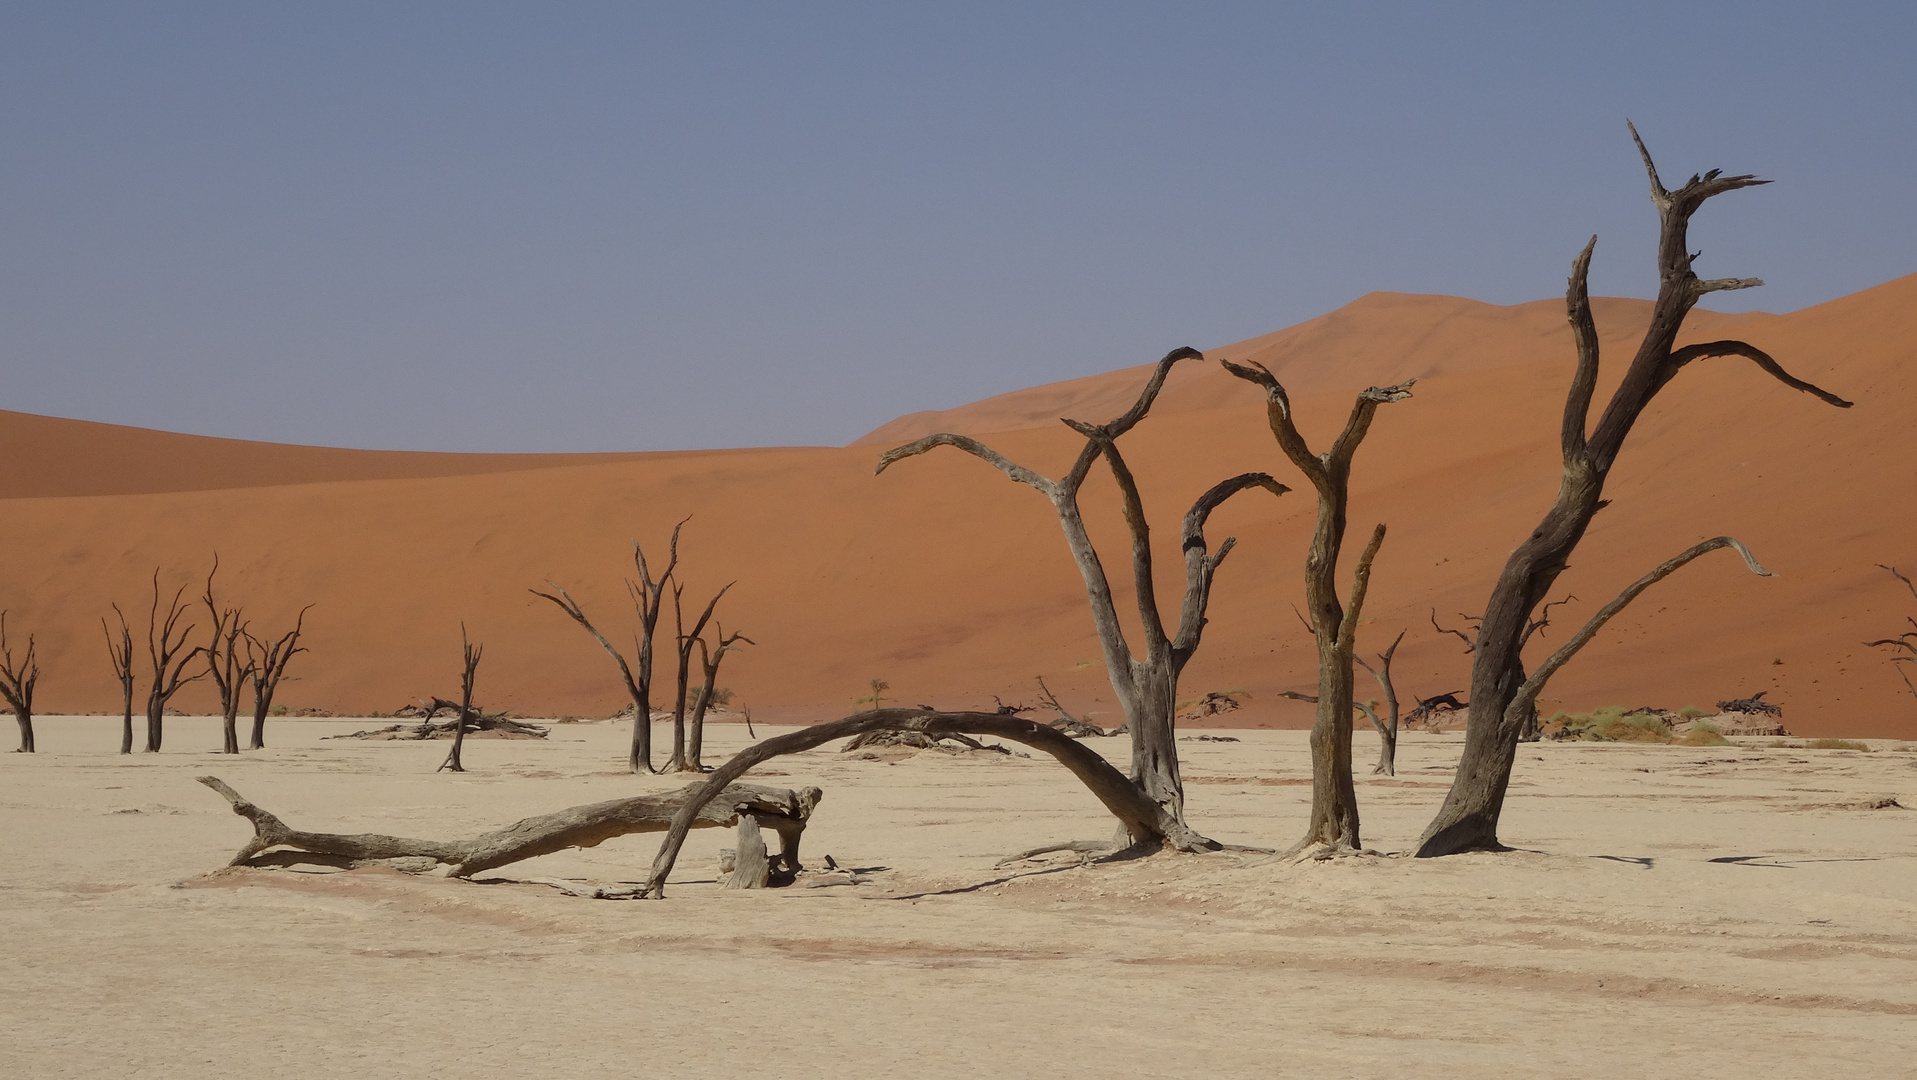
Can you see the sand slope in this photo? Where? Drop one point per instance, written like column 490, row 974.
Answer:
column 954, row 585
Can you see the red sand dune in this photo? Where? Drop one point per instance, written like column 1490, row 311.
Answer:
column 954, row 585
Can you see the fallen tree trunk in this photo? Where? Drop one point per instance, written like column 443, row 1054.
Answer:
column 784, row 811
column 1148, row 823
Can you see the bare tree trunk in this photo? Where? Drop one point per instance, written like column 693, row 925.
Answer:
column 17, row 680
column 709, row 661
column 121, row 653
column 1147, row 687
column 1468, row 819
column 648, row 596
column 1907, row 641
column 1387, row 730
column 682, row 645
column 169, row 656
column 1143, row 819
column 1334, row 798
column 472, row 654
column 267, row 663
column 223, row 662
column 783, row 810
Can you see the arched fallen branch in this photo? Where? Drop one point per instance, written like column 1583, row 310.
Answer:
column 1148, row 824
column 784, row 811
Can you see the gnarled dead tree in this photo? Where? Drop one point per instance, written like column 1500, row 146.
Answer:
column 226, row 663
column 121, row 653
column 685, row 756
column 1334, row 800
column 274, row 843
column 1907, row 640
column 1468, row 819
column 1387, row 727
column 710, row 657
column 648, row 598
column 267, row 663
column 166, row 648
column 1146, row 820
column 17, row 679
column 470, row 660
column 1147, row 685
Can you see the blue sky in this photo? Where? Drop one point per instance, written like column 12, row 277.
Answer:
column 605, row 227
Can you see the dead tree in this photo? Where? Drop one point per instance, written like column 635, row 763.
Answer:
column 686, row 758
column 1334, row 800
column 121, row 653
column 1146, row 820
column 648, row 597
column 267, row 662
column 1530, row 731
column 169, row 656
column 471, row 661
column 710, row 657
column 1066, row 722
column 225, row 664
column 1907, row 640
column 17, row 679
column 784, row 811
column 1387, row 728
column 1147, row 686
column 1468, row 820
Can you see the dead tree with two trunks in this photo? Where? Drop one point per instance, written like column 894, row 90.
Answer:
column 471, row 657
column 1334, row 625
column 1147, row 685
column 121, row 653
column 166, row 648
column 1907, row 640
column 686, row 751
column 17, row 679
column 1502, row 696
column 710, row 657
column 267, row 664
column 648, row 597
column 227, row 663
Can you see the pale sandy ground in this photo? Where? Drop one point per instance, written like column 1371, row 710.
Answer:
column 1673, row 913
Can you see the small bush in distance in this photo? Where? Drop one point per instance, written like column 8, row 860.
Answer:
column 1835, row 744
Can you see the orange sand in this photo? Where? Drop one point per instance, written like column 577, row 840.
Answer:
column 954, row 585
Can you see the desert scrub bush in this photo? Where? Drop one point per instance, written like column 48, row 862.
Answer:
column 1610, row 723
column 1702, row 734
column 1835, row 744
column 1692, row 712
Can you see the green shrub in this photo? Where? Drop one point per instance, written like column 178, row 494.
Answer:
column 1835, row 744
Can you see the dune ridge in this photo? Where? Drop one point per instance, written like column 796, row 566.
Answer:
column 955, row 586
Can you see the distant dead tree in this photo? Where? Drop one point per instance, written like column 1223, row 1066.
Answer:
column 1501, row 696
column 471, row 667
column 1334, row 628
column 169, row 655
column 227, row 661
column 685, row 757
column 1907, row 640
column 266, row 662
column 710, row 657
column 121, row 652
column 876, row 698
column 1147, row 686
column 1537, row 624
column 648, row 597
column 17, row 679
column 1387, row 727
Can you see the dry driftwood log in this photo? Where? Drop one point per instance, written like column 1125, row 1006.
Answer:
column 784, row 811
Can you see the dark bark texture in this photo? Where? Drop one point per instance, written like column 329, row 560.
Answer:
column 268, row 662
column 121, row 653
column 1144, row 819
column 1146, row 685
column 17, row 680
column 782, row 810
column 1334, row 628
column 1468, row 819
column 166, row 649
column 470, row 660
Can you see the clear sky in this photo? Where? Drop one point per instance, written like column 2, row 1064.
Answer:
column 626, row 226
